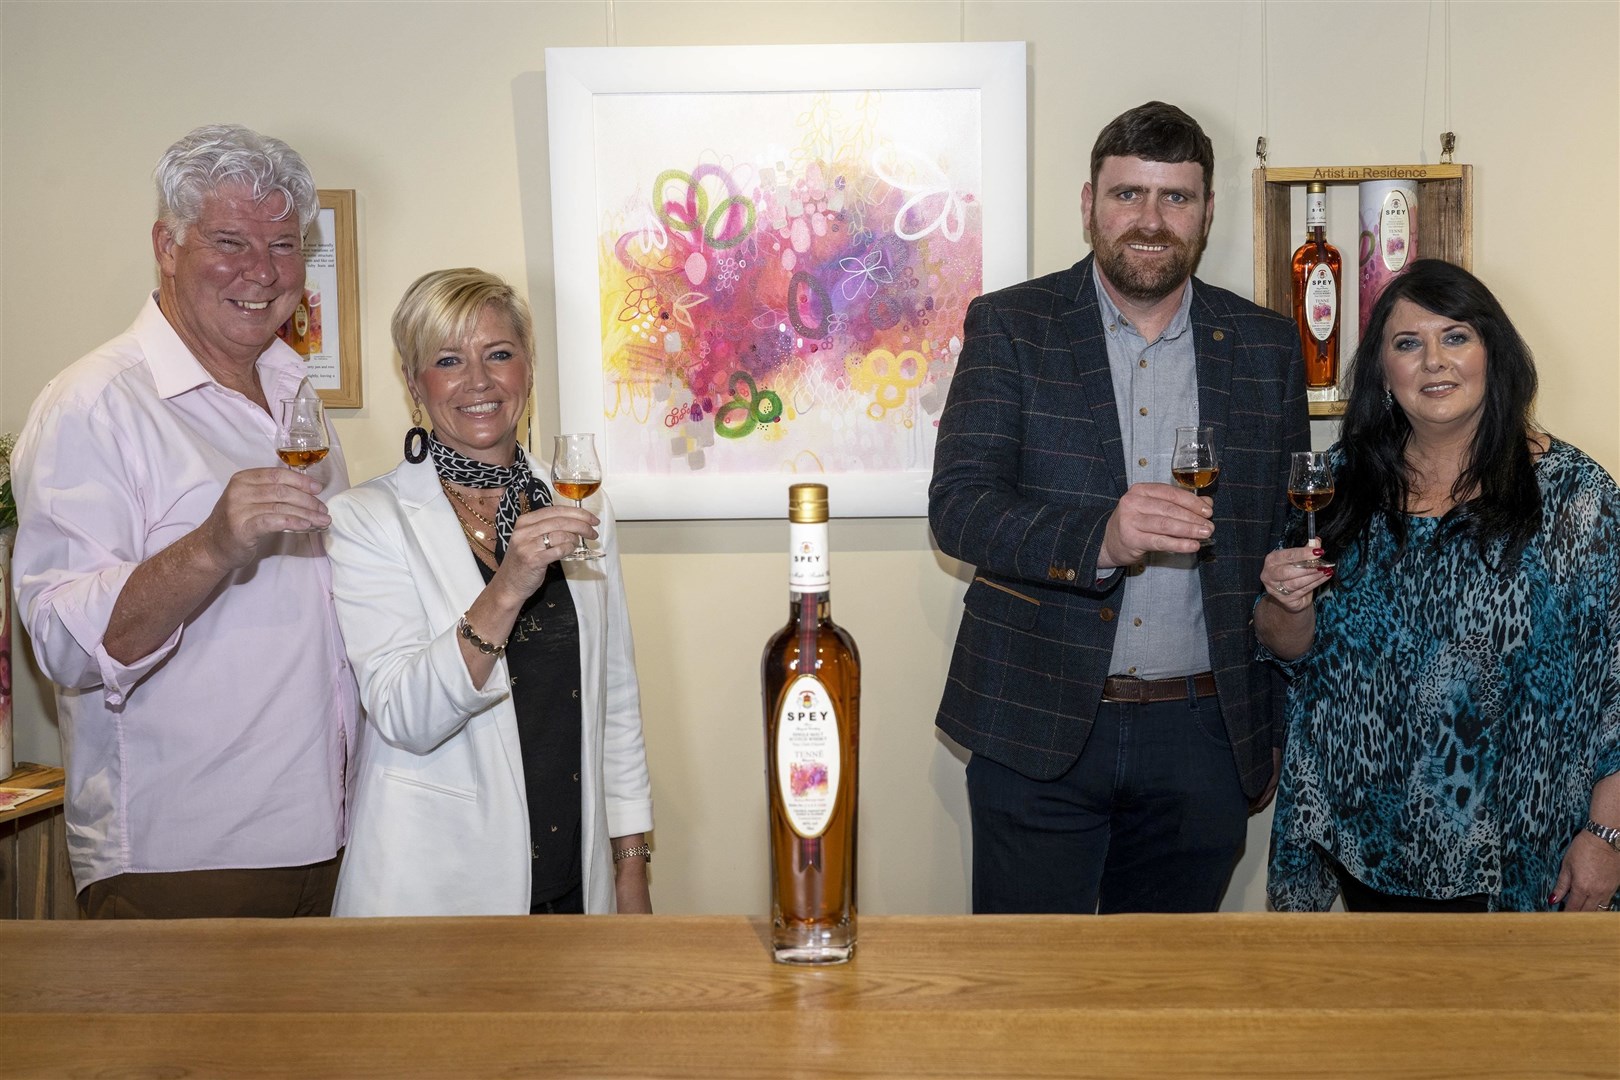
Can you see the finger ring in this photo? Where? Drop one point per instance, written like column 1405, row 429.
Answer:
column 545, row 538
column 1284, row 590
column 1605, row 907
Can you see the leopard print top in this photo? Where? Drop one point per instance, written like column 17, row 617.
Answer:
column 1448, row 723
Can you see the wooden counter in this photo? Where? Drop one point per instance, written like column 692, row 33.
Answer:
column 1509, row 996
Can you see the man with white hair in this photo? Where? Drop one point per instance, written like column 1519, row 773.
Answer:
column 173, row 578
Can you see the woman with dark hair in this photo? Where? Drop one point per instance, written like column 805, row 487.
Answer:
column 1454, row 716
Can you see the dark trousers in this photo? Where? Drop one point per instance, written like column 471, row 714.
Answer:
column 275, row 892
column 1151, row 817
column 1358, row 897
column 571, row 902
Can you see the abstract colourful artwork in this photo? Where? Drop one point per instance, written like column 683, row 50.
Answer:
column 778, row 280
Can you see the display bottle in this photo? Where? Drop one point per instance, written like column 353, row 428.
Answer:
column 1389, row 237
column 811, row 674
column 1317, row 268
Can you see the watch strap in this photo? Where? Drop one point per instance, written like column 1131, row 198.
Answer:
column 1604, row 833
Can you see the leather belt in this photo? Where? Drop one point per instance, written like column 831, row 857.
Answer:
column 1128, row 688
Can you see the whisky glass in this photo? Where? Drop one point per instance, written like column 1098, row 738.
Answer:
column 301, row 433
column 301, row 437
column 1310, row 487
column 576, row 472
column 1193, row 463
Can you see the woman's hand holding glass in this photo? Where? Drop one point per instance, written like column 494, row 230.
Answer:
column 540, row 538
column 1310, row 488
column 1291, row 576
column 576, row 472
column 1291, row 580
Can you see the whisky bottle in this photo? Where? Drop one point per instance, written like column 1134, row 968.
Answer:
column 811, row 673
column 1317, row 267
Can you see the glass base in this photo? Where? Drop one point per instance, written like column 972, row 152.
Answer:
column 813, row 944
column 582, row 554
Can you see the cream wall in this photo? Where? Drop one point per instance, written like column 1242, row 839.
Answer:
column 413, row 106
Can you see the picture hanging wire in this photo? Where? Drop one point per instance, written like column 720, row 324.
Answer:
column 1447, row 72
column 1265, row 88
column 1448, row 138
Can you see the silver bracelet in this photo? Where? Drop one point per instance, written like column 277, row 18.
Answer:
column 639, row 851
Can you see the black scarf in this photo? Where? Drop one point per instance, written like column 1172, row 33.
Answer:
column 517, row 479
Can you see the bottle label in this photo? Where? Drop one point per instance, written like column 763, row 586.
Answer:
column 807, row 756
column 807, row 565
column 1395, row 231
column 1315, row 209
column 1321, row 302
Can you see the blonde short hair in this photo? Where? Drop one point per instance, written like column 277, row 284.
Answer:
column 442, row 307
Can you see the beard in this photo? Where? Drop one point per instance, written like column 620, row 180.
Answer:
column 1145, row 284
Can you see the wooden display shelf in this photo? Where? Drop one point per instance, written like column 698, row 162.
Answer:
column 50, row 778
column 1445, row 227
column 36, row 881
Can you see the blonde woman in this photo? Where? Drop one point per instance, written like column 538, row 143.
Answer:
column 501, row 768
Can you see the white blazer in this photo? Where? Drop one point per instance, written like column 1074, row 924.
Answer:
column 438, row 819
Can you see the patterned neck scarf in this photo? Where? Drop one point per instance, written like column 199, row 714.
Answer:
column 518, row 480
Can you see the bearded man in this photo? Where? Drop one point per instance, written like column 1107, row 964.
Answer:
column 1104, row 676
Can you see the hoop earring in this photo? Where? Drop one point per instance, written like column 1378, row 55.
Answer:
column 418, row 435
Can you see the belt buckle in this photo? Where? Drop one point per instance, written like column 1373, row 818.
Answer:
column 1138, row 694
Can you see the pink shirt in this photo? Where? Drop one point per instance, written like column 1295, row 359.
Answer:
column 226, row 747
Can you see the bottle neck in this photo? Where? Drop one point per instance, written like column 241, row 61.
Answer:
column 808, row 570
column 809, row 607
column 1316, row 216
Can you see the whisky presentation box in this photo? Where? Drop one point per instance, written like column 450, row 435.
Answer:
column 1445, row 221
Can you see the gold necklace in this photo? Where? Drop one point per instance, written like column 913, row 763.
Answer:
column 481, row 548
column 456, row 495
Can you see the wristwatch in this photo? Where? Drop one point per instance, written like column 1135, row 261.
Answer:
column 1604, row 833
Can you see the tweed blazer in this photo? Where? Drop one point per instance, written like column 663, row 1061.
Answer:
column 1028, row 468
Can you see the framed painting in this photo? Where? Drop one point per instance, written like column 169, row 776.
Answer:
column 325, row 327
column 763, row 259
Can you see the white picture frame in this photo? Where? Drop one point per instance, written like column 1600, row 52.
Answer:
column 607, row 106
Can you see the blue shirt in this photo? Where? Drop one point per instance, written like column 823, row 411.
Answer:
column 1449, row 721
column 1161, row 631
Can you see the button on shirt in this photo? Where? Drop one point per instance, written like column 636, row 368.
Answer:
column 226, row 746
column 1160, row 624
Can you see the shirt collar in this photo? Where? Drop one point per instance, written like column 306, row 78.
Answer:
column 175, row 370
column 1180, row 323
